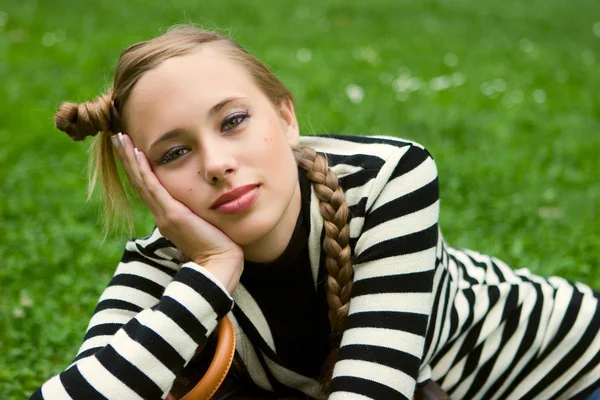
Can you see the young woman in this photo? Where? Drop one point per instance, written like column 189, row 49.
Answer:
column 324, row 251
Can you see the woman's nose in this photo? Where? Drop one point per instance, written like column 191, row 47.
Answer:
column 219, row 164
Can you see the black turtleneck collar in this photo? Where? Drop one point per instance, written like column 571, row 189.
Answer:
column 285, row 292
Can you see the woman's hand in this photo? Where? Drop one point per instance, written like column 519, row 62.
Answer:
column 202, row 242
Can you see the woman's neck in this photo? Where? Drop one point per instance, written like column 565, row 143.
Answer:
column 269, row 247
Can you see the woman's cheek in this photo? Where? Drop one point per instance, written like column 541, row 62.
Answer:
column 186, row 193
column 175, row 187
column 163, row 178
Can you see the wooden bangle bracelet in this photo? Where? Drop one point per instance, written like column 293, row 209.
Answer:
column 219, row 366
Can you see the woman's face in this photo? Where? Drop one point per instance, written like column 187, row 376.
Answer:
column 208, row 129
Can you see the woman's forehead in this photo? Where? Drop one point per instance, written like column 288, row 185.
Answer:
column 186, row 86
column 207, row 71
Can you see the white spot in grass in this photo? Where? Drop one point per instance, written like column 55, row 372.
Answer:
column 25, row 300
column 517, row 96
column 513, row 98
column 493, row 88
column 439, row 83
column 355, row 93
column 414, row 84
column 588, row 57
column 404, row 73
column 526, row 45
column 596, row 29
column 3, row 18
column 304, row 55
column 404, row 84
column 450, row 60
column 539, row 96
column 487, row 89
column 366, row 53
column 550, row 212
column 458, row 79
column 49, row 39
column 400, row 85
column 499, row 85
column 18, row 312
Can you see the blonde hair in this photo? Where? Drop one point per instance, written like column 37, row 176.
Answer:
column 101, row 118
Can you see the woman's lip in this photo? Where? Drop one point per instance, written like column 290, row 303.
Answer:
column 232, row 195
column 239, row 203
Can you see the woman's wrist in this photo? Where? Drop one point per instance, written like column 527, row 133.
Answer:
column 226, row 271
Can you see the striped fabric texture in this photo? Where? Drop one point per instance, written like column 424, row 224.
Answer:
column 420, row 309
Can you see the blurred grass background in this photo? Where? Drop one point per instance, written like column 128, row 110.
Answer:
column 504, row 93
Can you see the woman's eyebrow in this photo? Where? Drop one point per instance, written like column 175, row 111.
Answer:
column 164, row 137
column 217, row 107
column 213, row 111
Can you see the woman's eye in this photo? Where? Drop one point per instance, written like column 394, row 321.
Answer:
column 233, row 121
column 173, row 154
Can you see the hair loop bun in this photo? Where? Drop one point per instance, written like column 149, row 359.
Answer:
column 86, row 119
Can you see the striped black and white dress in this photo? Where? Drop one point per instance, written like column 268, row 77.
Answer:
column 420, row 309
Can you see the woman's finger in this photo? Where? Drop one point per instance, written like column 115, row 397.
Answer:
column 152, row 184
column 126, row 152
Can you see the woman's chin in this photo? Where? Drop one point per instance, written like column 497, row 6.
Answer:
column 246, row 236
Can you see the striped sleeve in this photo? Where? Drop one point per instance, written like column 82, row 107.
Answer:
column 145, row 329
column 392, row 299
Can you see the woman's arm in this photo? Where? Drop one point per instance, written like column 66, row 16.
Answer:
column 146, row 327
column 384, row 340
column 153, row 315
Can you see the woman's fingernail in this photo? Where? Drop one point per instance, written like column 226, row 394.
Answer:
column 137, row 154
column 121, row 140
column 114, row 141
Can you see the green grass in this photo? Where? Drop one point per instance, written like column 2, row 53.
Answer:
column 516, row 143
